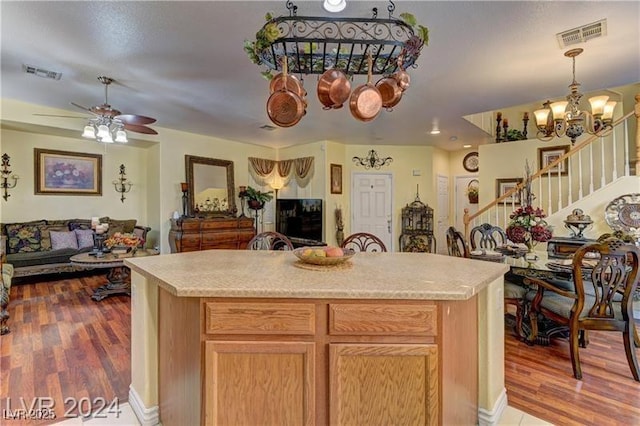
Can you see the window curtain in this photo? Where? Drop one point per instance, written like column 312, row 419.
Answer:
column 264, row 171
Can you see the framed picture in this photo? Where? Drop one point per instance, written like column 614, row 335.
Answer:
column 67, row 173
column 505, row 185
column 550, row 154
column 336, row 178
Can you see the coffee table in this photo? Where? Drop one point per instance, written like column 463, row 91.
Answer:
column 118, row 275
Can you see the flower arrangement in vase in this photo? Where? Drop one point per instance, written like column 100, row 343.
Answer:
column 527, row 226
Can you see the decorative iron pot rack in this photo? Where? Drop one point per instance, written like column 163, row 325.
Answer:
column 315, row 44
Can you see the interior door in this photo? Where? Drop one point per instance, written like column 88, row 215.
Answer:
column 462, row 200
column 442, row 213
column 371, row 202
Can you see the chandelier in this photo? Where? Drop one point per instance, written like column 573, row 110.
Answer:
column 565, row 117
column 105, row 129
column 337, row 48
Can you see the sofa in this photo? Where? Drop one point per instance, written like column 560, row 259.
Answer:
column 46, row 246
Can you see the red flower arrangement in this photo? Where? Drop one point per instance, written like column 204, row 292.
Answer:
column 527, row 226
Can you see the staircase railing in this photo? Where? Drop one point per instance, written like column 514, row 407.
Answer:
column 585, row 173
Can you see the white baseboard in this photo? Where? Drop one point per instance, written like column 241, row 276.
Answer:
column 146, row 416
column 491, row 418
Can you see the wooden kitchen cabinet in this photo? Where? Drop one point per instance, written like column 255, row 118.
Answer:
column 193, row 234
column 248, row 361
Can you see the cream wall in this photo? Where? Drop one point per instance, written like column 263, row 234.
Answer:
column 24, row 205
column 335, row 153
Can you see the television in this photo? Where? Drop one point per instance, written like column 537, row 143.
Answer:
column 299, row 218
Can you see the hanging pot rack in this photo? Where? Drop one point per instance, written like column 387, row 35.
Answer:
column 315, row 44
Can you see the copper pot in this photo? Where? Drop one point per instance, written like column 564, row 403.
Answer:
column 285, row 108
column 389, row 91
column 366, row 101
column 334, row 89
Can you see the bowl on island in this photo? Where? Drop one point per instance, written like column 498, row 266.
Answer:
column 323, row 255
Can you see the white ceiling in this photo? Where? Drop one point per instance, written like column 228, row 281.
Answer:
column 183, row 63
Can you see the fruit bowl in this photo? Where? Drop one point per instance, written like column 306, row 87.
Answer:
column 312, row 255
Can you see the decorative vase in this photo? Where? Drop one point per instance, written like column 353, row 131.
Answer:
column 530, row 255
column 473, row 198
column 339, row 237
column 255, row 204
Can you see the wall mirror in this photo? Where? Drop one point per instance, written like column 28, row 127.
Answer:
column 211, row 187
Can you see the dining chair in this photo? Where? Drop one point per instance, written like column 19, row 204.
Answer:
column 605, row 277
column 487, row 236
column 456, row 245
column 270, row 240
column 363, row 241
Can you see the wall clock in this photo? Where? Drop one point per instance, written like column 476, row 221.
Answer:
column 470, row 162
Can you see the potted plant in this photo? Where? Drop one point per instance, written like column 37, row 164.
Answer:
column 472, row 192
column 256, row 199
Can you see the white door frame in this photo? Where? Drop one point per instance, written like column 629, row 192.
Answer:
column 441, row 237
column 353, row 201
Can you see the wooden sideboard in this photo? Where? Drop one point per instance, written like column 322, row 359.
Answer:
column 205, row 234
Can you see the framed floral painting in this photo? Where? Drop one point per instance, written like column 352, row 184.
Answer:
column 548, row 155
column 336, row 178
column 67, row 173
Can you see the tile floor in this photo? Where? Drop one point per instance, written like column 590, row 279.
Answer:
column 510, row 417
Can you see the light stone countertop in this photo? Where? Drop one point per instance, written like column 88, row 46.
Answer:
column 246, row 273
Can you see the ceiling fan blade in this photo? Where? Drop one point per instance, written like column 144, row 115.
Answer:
column 63, row 116
column 82, row 107
column 135, row 119
column 140, row 129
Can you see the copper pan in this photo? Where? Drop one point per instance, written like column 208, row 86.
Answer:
column 293, row 84
column 402, row 77
column 334, row 89
column 285, row 108
column 366, row 101
column 389, row 91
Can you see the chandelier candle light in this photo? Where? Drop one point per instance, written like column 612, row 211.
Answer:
column 565, row 117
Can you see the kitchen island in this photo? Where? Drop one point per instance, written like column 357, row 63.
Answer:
column 253, row 337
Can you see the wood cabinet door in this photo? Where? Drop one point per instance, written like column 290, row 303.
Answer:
column 383, row 384
column 259, row 383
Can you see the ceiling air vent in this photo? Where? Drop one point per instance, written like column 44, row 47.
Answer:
column 267, row 127
column 41, row 72
column 582, row 34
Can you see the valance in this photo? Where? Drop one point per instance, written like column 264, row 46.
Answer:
column 264, row 171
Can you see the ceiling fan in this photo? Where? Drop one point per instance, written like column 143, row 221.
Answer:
column 109, row 124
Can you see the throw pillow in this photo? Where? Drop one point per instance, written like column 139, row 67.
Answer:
column 84, row 237
column 63, row 239
column 24, row 237
column 126, row 225
column 45, row 235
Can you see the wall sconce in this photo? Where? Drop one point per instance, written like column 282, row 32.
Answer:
column 5, row 185
column 372, row 161
column 184, row 187
column 121, row 185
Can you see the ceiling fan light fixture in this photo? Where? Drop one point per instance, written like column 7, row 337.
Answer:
column 89, row 132
column 121, row 136
column 103, row 132
column 334, row 6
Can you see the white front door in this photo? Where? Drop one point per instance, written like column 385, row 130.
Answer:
column 462, row 200
column 372, row 206
column 442, row 213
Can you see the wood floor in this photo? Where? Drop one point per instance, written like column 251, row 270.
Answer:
column 63, row 344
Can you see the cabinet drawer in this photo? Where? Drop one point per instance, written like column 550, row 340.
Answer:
column 219, row 238
column 189, row 226
column 259, row 318
column 383, row 319
column 219, row 224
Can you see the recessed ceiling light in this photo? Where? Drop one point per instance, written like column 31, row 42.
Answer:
column 435, row 132
column 466, row 146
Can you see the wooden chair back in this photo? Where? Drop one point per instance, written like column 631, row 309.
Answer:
column 456, row 245
column 605, row 277
column 363, row 241
column 270, row 240
column 487, row 236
